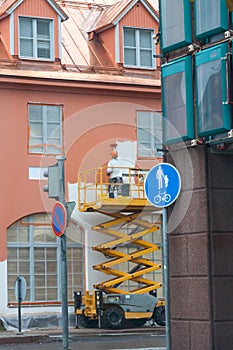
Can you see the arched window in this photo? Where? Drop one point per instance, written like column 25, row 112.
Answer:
column 33, row 251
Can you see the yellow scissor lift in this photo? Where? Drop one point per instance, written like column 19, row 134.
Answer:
column 109, row 305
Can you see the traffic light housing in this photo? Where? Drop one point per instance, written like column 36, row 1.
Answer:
column 54, row 181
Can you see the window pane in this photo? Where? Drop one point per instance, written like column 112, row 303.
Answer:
column 175, row 106
column 43, row 29
column 214, row 115
column 43, row 49
column 25, row 27
column 145, row 39
column 145, row 58
column 149, row 134
column 130, row 57
column 35, row 113
column 208, row 22
column 26, row 47
column 209, row 80
column 129, row 37
column 175, row 24
column 178, row 100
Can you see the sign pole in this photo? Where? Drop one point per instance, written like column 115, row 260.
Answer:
column 162, row 188
column 65, row 320
column 20, row 293
column 19, row 303
column 166, row 279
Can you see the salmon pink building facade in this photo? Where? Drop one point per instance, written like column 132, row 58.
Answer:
column 76, row 79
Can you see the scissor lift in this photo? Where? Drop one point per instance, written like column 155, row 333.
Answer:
column 128, row 298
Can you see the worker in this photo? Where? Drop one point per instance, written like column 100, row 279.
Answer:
column 115, row 173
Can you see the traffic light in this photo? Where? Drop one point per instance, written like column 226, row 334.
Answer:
column 53, row 173
column 229, row 5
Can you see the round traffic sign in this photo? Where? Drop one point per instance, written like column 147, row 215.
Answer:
column 59, row 218
column 20, row 288
column 162, row 185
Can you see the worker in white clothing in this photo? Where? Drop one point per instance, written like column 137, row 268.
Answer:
column 115, row 173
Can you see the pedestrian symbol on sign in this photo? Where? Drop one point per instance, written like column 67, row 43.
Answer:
column 162, row 185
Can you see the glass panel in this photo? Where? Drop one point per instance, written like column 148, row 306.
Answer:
column 209, row 82
column 130, row 57
column 39, row 234
column 145, row 39
column 11, row 235
column 26, row 37
column 52, row 281
column 26, row 47
column 52, row 294
column 35, row 113
column 12, row 253
column 39, row 254
column 149, row 133
column 175, row 105
column 175, row 24
column 207, row 21
column 24, row 254
column 39, row 268
column 24, row 268
column 40, row 294
column 53, row 114
column 43, row 49
column 25, row 27
column 177, row 95
column 39, row 281
column 43, row 29
column 145, row 58
column 129, row 37
column 23, row 234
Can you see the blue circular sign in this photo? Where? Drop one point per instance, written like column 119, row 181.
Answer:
column 162, row 185
column 59, row 217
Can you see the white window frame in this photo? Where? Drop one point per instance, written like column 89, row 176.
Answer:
column 154, row 135
column 35, row 38
column 138, row 49
column 47, row 141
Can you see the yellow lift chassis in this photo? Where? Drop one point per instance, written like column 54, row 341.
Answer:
column 109, row 305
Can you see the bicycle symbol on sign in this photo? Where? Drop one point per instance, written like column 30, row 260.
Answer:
column 162, row 197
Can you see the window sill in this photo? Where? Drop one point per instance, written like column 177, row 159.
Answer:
column 38, row 304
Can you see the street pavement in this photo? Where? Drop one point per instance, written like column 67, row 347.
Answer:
column 49, row 335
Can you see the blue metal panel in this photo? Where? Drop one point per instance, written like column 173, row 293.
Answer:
column 175, row 19
column 213, row 108
column 177, row 100
column 207, row 21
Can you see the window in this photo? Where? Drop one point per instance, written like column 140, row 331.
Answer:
column 207, row 21
column 45, row 128
column 213, row 108
column 149, row 129
column 33, row 251
column 177, row 97
column 138, row 48
column 36, row 38
column 175, row 24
